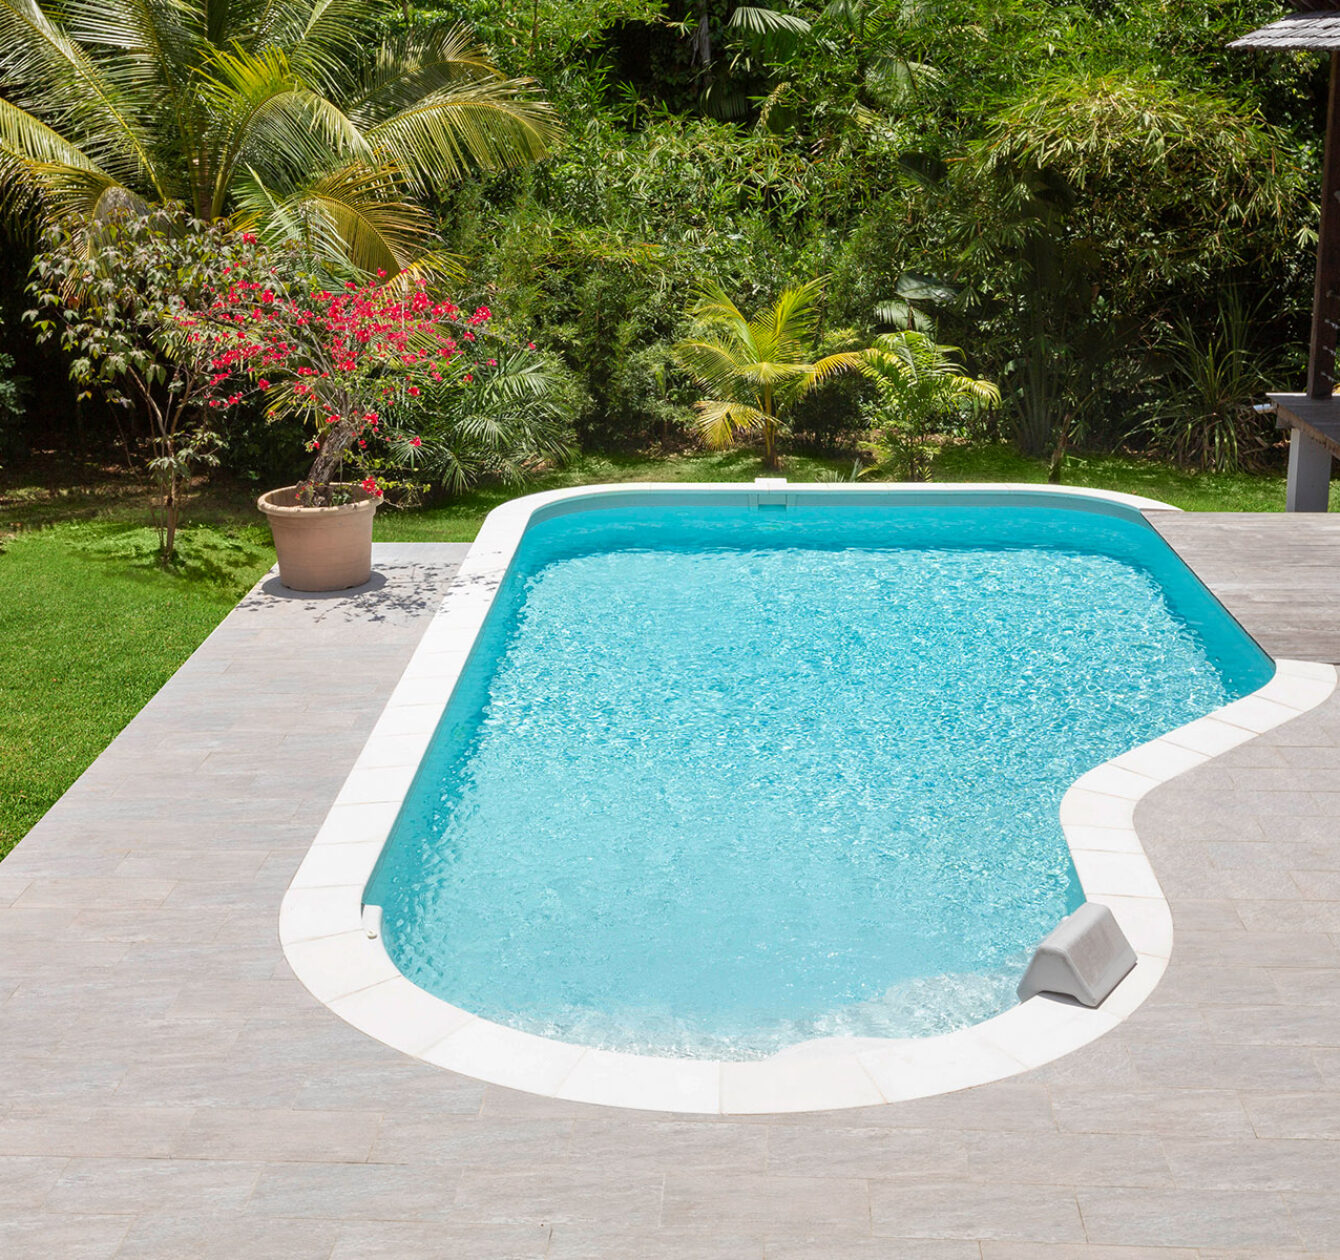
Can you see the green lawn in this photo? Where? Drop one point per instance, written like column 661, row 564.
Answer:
column 91, row 626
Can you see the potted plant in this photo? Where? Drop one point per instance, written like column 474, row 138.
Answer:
column 345, row 359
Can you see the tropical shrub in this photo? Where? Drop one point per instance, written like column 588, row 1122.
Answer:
column 756, row 370
column 1204, row 415
column 517, row 422
column 918, row 384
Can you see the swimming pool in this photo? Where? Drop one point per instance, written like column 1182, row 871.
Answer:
column 732, row 778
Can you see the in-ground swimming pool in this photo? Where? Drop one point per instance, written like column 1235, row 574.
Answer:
column 727, row 774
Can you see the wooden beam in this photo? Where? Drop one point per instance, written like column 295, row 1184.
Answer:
column 1317, row 418
column 1321, row 371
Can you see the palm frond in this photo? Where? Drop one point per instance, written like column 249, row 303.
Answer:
column 712, row 364
column 266, row 118
column 760, row 23
column 356, row 213
column 792, row 320
column 413, row 65
column 829, row 366
column 40, row 171
column 48, row 74
column 332, row 39
column 719, row 421
column 485, row 123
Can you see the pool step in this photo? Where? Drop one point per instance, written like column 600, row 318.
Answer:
column 1085, row 957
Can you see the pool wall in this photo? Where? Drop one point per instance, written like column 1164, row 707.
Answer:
column 333, row 943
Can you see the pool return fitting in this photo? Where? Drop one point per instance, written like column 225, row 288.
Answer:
column 1084, row 957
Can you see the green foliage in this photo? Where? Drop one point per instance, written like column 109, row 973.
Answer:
column 1058, row 187
column 298, row 118
column 1204, row 415
column 69, row 680
column 108, row 295
column 518, row 422
column 918, row 384
column 756, row 370
column 12, row 390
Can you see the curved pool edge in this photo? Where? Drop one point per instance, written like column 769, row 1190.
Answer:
column 321, row 919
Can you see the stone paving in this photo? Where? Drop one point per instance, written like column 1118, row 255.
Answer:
column 170, row 1091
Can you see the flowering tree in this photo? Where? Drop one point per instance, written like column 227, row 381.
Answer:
column 347, row 360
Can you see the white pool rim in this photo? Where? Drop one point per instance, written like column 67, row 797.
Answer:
column 329, row 941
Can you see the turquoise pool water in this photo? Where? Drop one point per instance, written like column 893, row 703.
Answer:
column 719, row 779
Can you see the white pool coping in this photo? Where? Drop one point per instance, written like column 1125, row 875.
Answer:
column 322, row 922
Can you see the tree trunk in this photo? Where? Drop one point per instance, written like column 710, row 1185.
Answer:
column 702, row 36
column 769, row 431
column 170, row 513
column 1057, row 464
column 326, row 467
column 770, row 445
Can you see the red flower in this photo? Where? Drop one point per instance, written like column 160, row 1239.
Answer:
column 414, row 391
column 262, row 383
column 415, row 441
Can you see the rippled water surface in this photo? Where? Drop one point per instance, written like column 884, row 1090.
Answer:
column 721, row 780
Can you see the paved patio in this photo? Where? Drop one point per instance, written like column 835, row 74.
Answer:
column 169, row 1090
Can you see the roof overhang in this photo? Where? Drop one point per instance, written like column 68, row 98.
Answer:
column 1320, row 31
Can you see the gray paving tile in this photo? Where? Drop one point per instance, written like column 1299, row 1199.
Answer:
column 107, row 1131
column 820, row 1248
column 393, row 1084
column 951, row 1209
column 230, row 1236
column 216, row 1082
column 128, row 1186
column 733, row 1203
column 1265, row 1164
column 1061, row 1159
column 45, row 1237
column 1170, row 1113
column 1313, row 986
column 278, row 1134
column 1317, row 1219
column 1187, row 1218
column 446, row 1138
column 65, row 1082
column 26, row 1181
column 883, row 1151
column 96, row 893
column 1282, row 1024
column 664, row 1145
column 1085, row 1251
column 578, row 1242
column 1211, row 1066
column 396, row 1240
column 1310, row 1115
column 1010, row 1104
column 497, row 1101
column 608, row 1197
column 355, row 1192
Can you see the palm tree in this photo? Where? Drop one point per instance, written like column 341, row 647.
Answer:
column 290, row 116
column 756, row 369
column 918, row 382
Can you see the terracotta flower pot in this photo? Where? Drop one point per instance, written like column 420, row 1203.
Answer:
column 321, row 548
